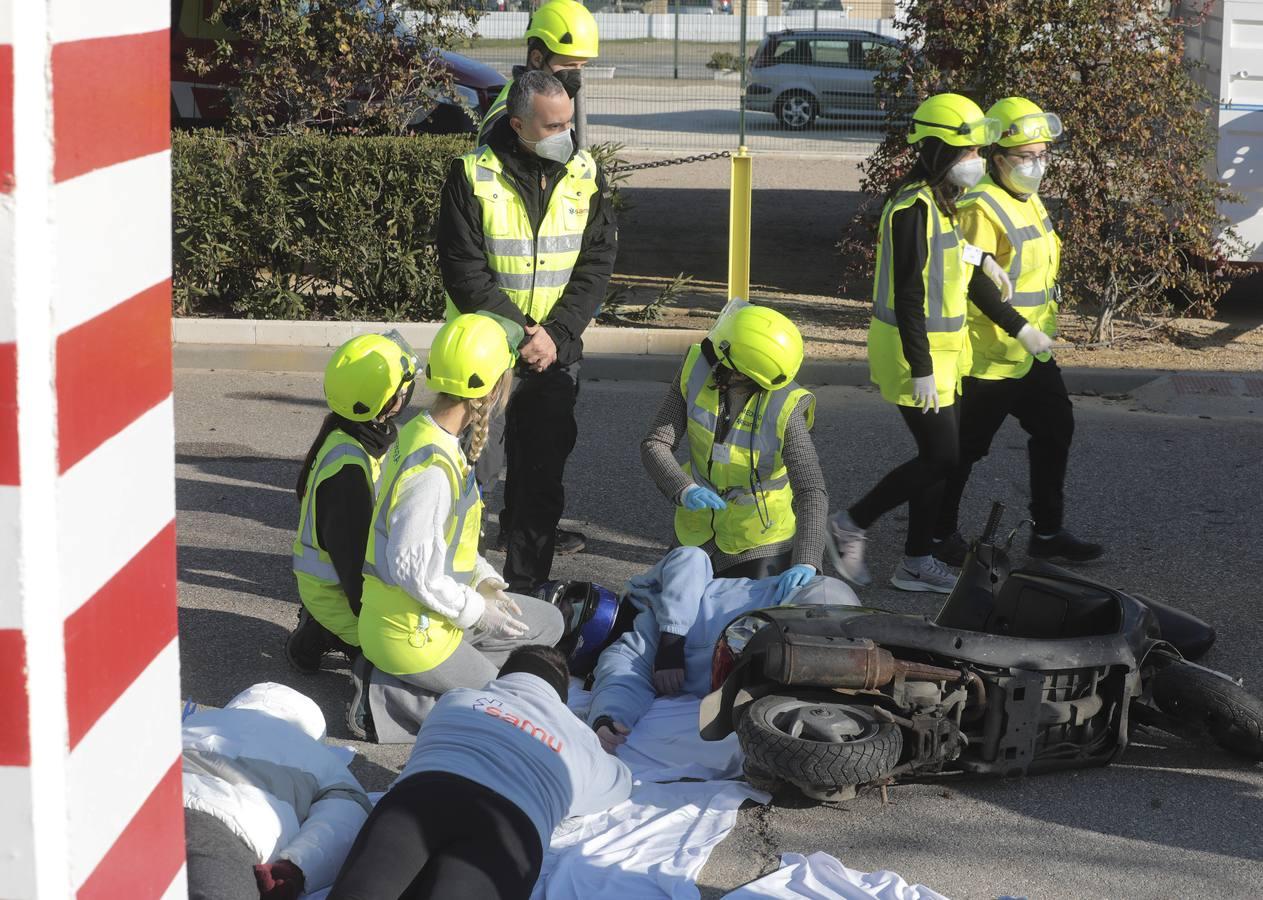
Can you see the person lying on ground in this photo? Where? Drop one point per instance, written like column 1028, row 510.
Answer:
column 683, row 611
column 493, row 772
column 269, row 810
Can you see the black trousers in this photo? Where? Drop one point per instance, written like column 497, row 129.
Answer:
column 1039, row 402
column 220, row 864
column 439, row 835
column 759, row 568
column 539, row 435
column 919, row 481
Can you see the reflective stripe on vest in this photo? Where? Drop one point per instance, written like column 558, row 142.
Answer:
column 531, row 267
column 465, row 498
column 1018, row 237
column 942, row 241
column 308, row 557
column 494, row 111
column 746, row 468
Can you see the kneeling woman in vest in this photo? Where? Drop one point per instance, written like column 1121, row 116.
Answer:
column 918, row 346
column 752, row 494
column 436, row 615
column 367, row 383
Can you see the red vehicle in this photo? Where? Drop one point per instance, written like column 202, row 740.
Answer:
column 203, row 101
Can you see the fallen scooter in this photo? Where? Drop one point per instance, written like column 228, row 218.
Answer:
column 1023, row 671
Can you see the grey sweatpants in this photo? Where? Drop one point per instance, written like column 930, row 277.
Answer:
column 400, row 703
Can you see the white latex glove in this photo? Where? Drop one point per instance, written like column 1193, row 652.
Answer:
column 499, row 623
column 493, row 590
column 1034, row 340
column 925, row 393
column 996, row 273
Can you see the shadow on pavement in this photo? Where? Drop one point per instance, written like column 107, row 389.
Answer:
column 266, row 575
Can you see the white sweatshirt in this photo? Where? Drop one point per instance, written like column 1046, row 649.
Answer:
column 415, row 550
column 517, row 738
column 259, row 766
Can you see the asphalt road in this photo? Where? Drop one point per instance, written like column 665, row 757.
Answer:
column 1175, row 497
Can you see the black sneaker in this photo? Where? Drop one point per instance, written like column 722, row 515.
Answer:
column 306, row 644
column 951, row 550
column 1065, row 546
column 359, row 714
column 566, row 543
column 569, row 543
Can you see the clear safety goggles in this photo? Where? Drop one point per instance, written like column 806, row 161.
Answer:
column 982, row 131
column 1035, row 127
column 410, row 361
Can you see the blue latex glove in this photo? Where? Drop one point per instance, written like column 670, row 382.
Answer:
column 791, row 578
column 698, row 497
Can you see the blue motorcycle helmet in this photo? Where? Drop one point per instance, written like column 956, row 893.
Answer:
column 594, row 617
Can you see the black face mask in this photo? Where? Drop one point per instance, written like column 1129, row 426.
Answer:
column 571, row 80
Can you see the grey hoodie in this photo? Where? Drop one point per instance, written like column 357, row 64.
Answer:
column 517, row 738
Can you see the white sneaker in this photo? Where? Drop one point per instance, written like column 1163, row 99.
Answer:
column 924, row 573
column 845, row 547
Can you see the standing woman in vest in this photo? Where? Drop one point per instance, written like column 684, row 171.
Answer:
column 367, row 383
column 752, row 494
column 436, row 615
column 1004, row 216
column 918, row 347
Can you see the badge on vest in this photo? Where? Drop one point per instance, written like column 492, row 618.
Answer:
column 972, row 255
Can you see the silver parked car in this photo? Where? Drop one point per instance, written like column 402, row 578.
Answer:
column 797, row 75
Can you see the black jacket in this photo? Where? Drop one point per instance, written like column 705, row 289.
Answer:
column 468, row 277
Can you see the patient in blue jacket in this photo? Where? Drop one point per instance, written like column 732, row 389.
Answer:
column 683, row 610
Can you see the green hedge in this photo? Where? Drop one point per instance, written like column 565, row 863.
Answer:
column 309, row 226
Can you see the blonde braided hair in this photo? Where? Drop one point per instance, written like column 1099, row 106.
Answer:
column 483, row 408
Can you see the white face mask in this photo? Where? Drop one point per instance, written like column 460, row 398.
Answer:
column 1024, row 177
column 557, row 147
column 967, row 172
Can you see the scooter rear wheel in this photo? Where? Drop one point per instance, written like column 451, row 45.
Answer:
column 1226, row 711
column 820, row 747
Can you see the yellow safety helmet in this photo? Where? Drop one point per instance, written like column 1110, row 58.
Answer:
column 953, row 119
column 1022, row 122
column 366, row 372
column 760, row 343
column 468, row 356
column 565, row 27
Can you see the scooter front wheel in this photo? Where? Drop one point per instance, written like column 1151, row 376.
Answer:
column 819, row 746
column 1226, row 711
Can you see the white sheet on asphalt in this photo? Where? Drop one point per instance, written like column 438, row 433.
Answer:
column 665, row 746
column 822, row 877
column 649, row 847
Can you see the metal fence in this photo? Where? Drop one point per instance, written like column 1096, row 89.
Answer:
column 670, row 81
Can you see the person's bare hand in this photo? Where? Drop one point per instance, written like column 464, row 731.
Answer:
column 539, row 351
column 612, row 736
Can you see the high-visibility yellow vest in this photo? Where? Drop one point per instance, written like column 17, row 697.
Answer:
column 746, row 469
column 533, row 269
column 494, row 111
column 1032, row 266
column 398, row 634
column 946, row 281
column 318, row 584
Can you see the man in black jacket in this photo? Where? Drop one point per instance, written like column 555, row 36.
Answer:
column 505, row 248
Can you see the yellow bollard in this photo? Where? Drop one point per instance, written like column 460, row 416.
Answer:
column 739, row 225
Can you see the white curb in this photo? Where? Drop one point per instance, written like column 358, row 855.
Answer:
column 597, row 339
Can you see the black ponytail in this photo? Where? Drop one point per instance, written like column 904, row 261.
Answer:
column 331, row 422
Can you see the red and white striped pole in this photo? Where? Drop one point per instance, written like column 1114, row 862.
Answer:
column 89, row 672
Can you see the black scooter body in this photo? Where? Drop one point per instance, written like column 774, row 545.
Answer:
column 1060, row 657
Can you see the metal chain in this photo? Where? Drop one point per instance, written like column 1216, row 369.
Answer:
column 660, row 163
